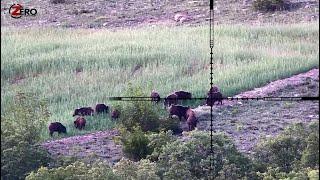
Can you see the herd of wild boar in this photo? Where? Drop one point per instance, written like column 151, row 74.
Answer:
column 171, row 103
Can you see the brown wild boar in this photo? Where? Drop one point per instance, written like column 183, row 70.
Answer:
column 102, row 108
column 155, row 97
column 214, row 97
column 191, row 119
column 115, row 114
column 178, row 110
column 170, row 99
column 84, row 111
column 80, row 122
column 57, row 127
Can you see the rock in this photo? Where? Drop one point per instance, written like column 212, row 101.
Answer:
column 181, row 17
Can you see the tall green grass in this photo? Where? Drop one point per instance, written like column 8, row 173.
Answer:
column 44, row 61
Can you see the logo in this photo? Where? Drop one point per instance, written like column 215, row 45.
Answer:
column 17, row 11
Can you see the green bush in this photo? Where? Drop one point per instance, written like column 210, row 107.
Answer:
column 282, row 152
column 141, row 113
column 310, row 155
column 21, row 126
column 297, row 147
column 130, row 170
column 276, row 173
column 190, row 159
column 170, row 123
column 77, row 170
column 135, row 143
column 158, row 141
column 269, row 5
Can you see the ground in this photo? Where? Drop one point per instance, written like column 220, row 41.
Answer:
column 245, row 122
column 131, row 13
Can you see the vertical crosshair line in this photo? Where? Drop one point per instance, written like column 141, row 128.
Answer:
column 211, row 83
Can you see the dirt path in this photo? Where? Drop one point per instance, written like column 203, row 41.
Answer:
column 248, row 121
column 99, row 143
column 245, row 122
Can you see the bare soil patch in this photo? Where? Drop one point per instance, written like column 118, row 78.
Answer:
column 132, row 13
column 246, row 122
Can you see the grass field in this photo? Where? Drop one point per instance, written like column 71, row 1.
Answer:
column 73, row 68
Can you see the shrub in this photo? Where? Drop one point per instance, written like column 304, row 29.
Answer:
column 282, row 152
column 276, row 173
column 143, row 169
column 269, row 5
column 310, row 155
column 297, row 147
column 140, row 113
column 135, row 144
column 170, row 123
column 158, row 141
column 21, row 125
column 77, row 170
column 190, row 159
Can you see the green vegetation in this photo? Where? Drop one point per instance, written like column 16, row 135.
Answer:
column 294, row 153
column 77, row 170
column 135, row 143
column 140, row 113
column 174, row 158
column 74, row 68
column 20, row 133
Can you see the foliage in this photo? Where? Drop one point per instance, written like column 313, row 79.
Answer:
column 297, row 147
column 127, row 169
column 20, row 132
column 78, row 170
column 310, row 155
column 140, row 113
column 158, row 141
column 269, row 5
column 135, row 143
column 190, row 159
column 276, row 173
column 170, row 123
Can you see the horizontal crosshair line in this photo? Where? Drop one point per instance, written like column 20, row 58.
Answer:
column 269, row 98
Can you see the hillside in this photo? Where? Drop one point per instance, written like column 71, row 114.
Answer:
column 130, row 13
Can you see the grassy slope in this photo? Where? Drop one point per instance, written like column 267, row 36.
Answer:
column 171, row 59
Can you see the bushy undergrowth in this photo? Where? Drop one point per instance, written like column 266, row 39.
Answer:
column 21, row 127
column 191, row 159
column 135, row 143
column 130, row 170
column 141, row 113
column 158, row 141
column 78, row 170
column 170, row 123
column 294, row 154
column 276, row 173
column 297, row 147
